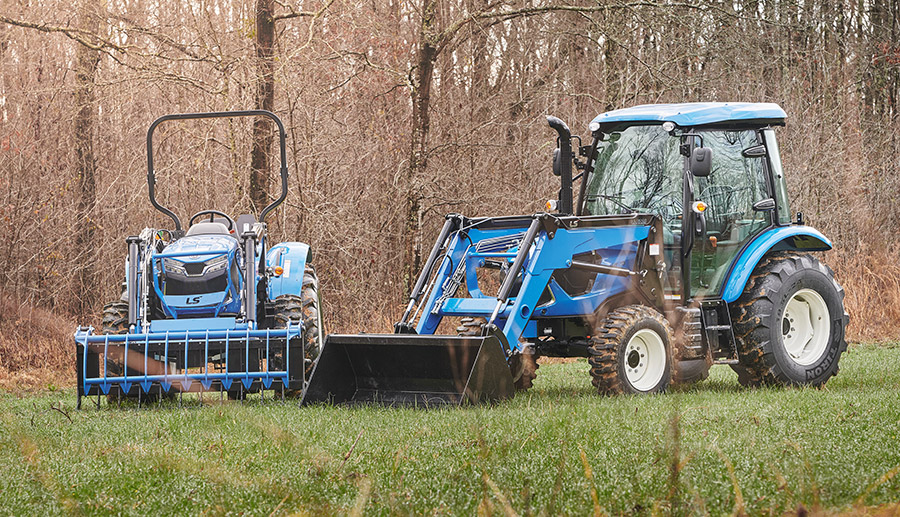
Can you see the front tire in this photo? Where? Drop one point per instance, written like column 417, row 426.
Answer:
column 631, row 352
column 115, row 322
column 522, row 366
column 305, row 308
column 790, row 322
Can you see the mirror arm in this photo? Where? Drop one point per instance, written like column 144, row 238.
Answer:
column 586, row 174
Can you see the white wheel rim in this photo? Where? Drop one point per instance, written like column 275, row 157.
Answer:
column 805, row 327
column 645, row 360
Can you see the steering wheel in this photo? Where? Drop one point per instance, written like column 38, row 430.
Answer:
column 211, row 213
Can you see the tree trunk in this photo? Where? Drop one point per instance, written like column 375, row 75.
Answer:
column 86, row 64
column 418, row 160
column 265, row 100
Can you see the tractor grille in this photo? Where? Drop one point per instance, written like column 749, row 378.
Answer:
column 499, row 244
column 194, row 268
column 179, row 285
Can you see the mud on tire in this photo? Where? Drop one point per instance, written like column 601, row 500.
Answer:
column 631, row 352
column 789, row 322
column 114, row 321
column 688, row 366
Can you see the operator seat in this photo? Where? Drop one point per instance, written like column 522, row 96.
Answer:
column 244, row 223
column 208, row 228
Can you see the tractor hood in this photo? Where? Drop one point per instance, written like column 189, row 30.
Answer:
column 204, row 245
column 200, row 276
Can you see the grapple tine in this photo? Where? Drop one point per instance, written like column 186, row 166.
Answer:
column 184, row 357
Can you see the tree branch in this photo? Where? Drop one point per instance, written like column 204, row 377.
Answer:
column 79, row 35
column 301, row 14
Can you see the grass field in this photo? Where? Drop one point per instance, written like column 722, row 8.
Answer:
column 559, row 449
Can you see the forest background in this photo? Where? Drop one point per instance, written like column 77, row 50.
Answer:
column 398, row 112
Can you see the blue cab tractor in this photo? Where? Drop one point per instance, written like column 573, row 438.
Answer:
column 676, row 251
column 212, row 308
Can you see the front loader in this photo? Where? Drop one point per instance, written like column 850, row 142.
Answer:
column 678, row 252
column 210, row 308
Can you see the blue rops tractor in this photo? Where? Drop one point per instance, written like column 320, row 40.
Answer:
column 678, row 252
column 210, row 308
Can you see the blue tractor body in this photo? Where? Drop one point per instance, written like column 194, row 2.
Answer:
column 198, row 275
column 213, row 308
column 643, row 270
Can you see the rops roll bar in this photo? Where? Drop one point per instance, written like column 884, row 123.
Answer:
column 151, row 174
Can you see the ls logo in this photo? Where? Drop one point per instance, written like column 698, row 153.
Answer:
column 192, row 301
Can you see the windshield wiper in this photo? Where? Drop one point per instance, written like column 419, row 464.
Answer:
column 614, row 199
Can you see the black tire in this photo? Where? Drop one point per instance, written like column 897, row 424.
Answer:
column 616, row 352
column 115, row 318
column 687, row 367
column 690, row 371
column 781, row 283
column 522, row 366
column 305, row 309
column 114, row 321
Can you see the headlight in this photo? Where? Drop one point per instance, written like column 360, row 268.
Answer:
column 174, row 266
column 216, row 264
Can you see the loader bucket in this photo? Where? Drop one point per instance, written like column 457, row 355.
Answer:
column 409, row 369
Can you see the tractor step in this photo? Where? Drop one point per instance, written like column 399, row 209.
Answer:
column 715, row 319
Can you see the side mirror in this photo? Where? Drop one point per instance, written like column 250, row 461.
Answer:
column 764, row 205
column 556, row 165
column 757, row 151
column 701, row 161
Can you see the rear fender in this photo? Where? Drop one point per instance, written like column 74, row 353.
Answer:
column 783, row 238
column 292, row 257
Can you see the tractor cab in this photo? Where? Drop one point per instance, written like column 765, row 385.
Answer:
column 709, row 213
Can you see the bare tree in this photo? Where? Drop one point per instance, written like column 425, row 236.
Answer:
column 87, row 60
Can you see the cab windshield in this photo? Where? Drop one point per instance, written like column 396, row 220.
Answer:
column 640, row 169
column 637, row 170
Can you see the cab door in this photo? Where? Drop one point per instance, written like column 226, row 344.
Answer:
column 738, row 180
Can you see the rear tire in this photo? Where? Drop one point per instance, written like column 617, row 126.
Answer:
column 789, row 323
column 631, row 352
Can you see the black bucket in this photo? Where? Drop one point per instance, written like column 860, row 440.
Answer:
column 408, row 369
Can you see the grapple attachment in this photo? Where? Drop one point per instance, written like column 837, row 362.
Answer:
column 409, row 369
column 171, row 362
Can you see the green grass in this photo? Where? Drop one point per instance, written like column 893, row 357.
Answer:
column 713, row 448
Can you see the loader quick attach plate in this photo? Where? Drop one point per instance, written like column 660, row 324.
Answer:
column 407, row 369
